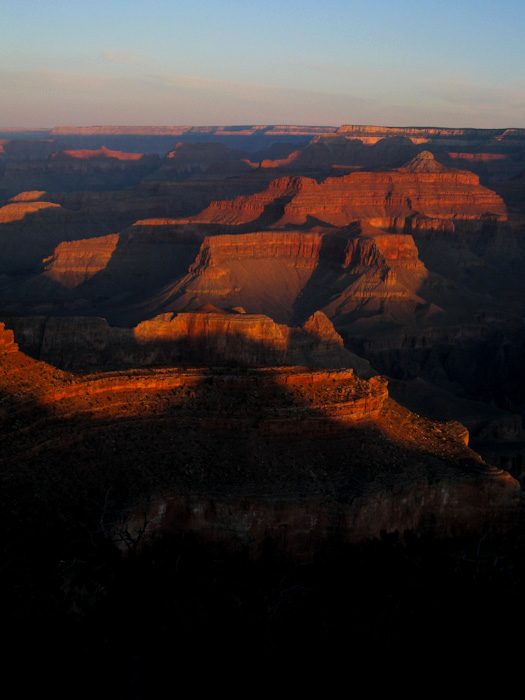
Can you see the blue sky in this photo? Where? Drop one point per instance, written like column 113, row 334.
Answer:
column 402, row 62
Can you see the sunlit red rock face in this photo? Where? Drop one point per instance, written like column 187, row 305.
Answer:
column 423, row 188
column 7, row 343
column 430, row 274
column 265, row 207
column 69, row 170
column 20, row 209
column 314, row 453
column 30, row 230
column 103, row 152
column 207, row 337
column 289, row 275
column 74, row 262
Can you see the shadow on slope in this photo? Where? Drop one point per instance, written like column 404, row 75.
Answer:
column 75, row 461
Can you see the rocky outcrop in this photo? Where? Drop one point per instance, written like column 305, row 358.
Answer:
column 102, row 152
column 264, row 208
column 196, row 159
column 7, row 342
column 289, row 275
column 69, row 170
column 74, row 262
column 31, row 196
column 31, row 230
column 286, row 460
column 20, row 209
column 209, row 336
column 388, row 199
column 421, row 188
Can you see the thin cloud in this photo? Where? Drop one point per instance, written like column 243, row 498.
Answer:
column 123, row 57
column 34, row 98
column 258, row 91
column 473, row 96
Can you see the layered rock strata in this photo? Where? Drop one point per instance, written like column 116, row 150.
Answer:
column 7, row 341
column 242, row 458
column 422, row 188
column 289, row 275
column 210, row 336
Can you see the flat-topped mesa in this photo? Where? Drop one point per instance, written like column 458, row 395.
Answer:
column 277, row 272
column 302, row 247
column 7, row 340
column 416, row 131
column 369, row 246
column 249, row 130
column 119, row 130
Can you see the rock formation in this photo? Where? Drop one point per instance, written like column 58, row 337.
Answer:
column 74, row 262
column 7, row 342
column 208, row 336
column 421, row 189
column 417, row 266
column 289, row 275
column 289, row 436
column 71, row 169
column 197, row 453
column 30, row 230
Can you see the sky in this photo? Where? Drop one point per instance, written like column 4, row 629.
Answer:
column 392, row 63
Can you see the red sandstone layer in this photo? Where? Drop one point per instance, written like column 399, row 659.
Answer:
column 30, row 196
column 102, row 153
column 423, row 187
column 334, row 451
column 207, row 336
column 17, row 211
column 7, row 341
column 74, row 262
column 478, row 157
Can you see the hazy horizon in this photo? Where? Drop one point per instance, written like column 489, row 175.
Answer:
column 392, row 64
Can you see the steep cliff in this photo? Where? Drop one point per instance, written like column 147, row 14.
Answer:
column 290, row 275
column 76, row 169
column 422, row 188
column 242, row 458
column 264, row 207
column 30, row 231
column 7, row 342
column 388, row 199
column 74, row 262
column 207, row 337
